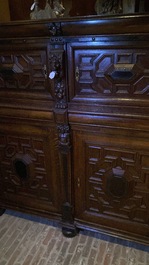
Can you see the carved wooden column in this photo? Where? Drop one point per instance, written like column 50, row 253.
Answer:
column 68, row 227
column 58, row 82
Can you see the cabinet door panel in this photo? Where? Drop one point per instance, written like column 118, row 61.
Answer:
column 111, row 176
column 104, row 72
column 29, row 169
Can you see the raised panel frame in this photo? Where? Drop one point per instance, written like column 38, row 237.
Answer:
column 104, row 159
column 93, row 74
column 36, row 147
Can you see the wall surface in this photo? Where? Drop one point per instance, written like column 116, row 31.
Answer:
column 4, row 10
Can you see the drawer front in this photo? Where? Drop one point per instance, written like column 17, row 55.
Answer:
column 111, row 178
column 29, row 168
column 24, row 72
column 102, row 74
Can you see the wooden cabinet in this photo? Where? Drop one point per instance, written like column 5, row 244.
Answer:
column 74, row 122
column 107, row 113
column 30, row 178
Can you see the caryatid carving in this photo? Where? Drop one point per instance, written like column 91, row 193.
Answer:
column 64, row 134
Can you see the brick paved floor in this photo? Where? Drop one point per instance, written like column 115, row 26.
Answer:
column 27, row 242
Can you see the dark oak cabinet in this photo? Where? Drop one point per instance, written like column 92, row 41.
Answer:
column 29, row 155
column 74, row 122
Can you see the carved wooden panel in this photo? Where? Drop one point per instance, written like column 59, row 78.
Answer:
column 103, row 72
column 111, row 175
column 57, row 69
column 29, row 169
column 23, row 71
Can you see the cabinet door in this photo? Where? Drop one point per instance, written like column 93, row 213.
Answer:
column 29, row 168
column 111, row 178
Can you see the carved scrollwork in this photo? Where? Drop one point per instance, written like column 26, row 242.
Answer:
column 56, row 62
column 55, row 29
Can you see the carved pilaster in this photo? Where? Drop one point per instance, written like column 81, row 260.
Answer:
column 57, row 74
column 68, row 226
column 65, row 158
column 58, row 82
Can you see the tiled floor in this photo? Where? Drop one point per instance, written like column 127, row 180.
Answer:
column 24, row 241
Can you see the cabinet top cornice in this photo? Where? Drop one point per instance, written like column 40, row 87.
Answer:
column 95, row 25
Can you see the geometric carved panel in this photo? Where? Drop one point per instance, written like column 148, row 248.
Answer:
column 111, row 72
column 117, row 183
column 23, row 167
column 23, row 71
